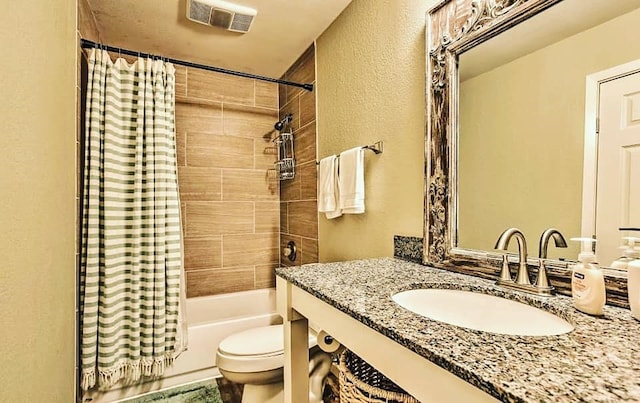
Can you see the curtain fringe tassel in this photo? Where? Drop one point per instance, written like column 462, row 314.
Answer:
column 130, row 371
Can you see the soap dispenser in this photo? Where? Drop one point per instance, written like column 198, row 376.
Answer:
column 633, row 287
column 630, row 253
column 587, row 281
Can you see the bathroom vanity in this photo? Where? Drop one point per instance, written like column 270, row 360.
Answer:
column 599, row 361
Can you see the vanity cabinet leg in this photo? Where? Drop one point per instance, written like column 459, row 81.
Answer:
column 296, row 346
column 296, row 361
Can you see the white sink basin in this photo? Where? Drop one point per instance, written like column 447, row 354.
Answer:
column 482, row 312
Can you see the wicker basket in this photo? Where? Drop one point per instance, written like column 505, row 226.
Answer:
column 360, row 382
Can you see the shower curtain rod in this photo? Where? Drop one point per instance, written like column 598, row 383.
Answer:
column 90, row 44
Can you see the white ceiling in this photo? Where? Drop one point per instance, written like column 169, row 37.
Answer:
column 564, row 19
column 281, row 31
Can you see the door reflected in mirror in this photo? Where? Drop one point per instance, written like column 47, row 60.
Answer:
column 521, row 127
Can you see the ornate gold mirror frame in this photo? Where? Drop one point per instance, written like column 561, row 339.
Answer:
column 454, row 26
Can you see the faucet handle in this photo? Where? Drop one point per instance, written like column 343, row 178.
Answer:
column 505, row 273
column 542, row 282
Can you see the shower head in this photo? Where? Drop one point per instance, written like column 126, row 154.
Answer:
column 283, row 122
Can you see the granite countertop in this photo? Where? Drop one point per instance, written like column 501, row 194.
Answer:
column 599, row 361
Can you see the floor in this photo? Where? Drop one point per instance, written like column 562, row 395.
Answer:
column 232, row 392
column 198, row 392
column 229, row 391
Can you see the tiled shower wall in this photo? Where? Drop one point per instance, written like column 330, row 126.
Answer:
column 229, row 195
column 298, row 197
column 233, row 208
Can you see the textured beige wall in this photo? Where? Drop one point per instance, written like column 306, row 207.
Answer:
column 37, row 185
column 522, row 166
column 371, row 86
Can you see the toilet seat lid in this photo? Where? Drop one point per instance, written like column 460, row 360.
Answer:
column 259, row 341
column 265, row 340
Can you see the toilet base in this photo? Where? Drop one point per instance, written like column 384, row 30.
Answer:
column 268, row 386
column 319, row 366
column 268, row 393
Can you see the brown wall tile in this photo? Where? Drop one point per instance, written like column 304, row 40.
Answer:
column 245, row 184
column 303, row 218
column 204, row 84
column 208, row 219
column 284, row 226
column 266, row 276
column 219, row 281
column 267, row 217
column 266, row 94
column 250, row 122
column 305, row 144
column 273, row 182
column 220, row 87
column 302, row 71
column 249, row 249
column 304, row 68
column 307, row 107
column 210, row 150
column 203, row 184
column 290, row 189
column 198, row 118
column 181, row 80
column 265, row 153
column 202, row 253
column 282, row 94
column 181, row 147
column 309, row 248
column 308, row 179
column 293, row 107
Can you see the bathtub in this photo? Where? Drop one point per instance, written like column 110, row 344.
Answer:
column 210, row 319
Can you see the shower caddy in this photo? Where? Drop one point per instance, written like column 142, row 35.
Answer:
column 286, row 163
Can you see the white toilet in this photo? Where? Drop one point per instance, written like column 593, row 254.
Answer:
column 255, row 358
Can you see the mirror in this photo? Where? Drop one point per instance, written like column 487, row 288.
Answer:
column 542, row 153
column 521, row 123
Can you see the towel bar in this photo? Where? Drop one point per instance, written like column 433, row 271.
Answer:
column 377, row 148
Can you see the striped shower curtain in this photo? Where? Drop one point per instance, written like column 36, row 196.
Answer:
column 131, row 263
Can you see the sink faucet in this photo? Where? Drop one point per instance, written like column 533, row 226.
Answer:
column 542, row 283
column 522, row 279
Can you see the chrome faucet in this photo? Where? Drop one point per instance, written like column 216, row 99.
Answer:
column 542, row 283
column 522, row 278
column 522, row 282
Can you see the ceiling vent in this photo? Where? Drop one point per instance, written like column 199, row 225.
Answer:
column 218, row 13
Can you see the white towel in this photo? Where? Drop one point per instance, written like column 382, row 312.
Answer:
column 328, row 190
column 351, row 181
